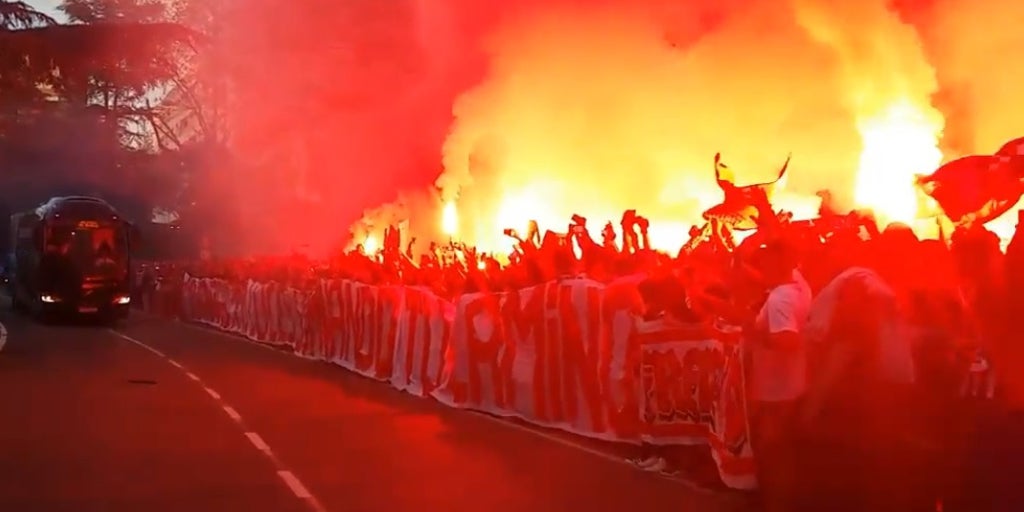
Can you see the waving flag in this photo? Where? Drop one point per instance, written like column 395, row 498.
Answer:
column 738, row 208
column 976, row 189
column 1013, row 148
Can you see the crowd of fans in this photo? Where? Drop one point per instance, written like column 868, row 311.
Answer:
column 884, row 370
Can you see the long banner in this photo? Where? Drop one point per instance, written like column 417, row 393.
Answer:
column 573, row 355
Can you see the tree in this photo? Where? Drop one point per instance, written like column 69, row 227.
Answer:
column 18, row 76
column 71, row 95
column 196, row 102
column 113, row 66
column 179, row 107
column 115, row 11
column 16, row 15
column 78, row 102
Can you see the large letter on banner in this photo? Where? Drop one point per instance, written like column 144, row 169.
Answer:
column 572, row 362
column 621, row 306
column 390, row 304
column 261, row 319
column 534, row 353
column 691, row 390
column 364, row 338
column 309, row 342
column 354, row 323
column 421, row 340
column 293, row 314
column 478, row 365
column 351, row 322
column 330, row 290
column 368, row 321
column 188, row 296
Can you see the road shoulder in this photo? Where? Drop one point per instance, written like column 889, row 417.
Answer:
column 319, row 416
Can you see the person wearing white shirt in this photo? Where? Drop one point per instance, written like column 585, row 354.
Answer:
column 778, row 374
column 779, row 359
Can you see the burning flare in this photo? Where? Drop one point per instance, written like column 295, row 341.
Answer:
column 899, row 143
column 370, row 245
column 888, row 84
column 450, row 219
column 591, row 108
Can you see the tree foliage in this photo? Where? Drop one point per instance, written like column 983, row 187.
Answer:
column 115, row 11
column 16, row 15
column 76, row 59
column 73, row 98
column 116, row 68
column 18, row 76
column 128, row 100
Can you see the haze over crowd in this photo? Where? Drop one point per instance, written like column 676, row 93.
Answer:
column 373, row 114
column 601, row 106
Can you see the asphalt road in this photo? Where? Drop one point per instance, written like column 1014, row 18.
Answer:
column 161, row 416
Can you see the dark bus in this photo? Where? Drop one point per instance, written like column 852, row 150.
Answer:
column 70, row 256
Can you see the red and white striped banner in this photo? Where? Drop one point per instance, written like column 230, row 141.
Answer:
column 572, row 355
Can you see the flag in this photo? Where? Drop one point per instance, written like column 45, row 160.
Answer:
column 976, row 189
column 738, row 208
column 1013, row 148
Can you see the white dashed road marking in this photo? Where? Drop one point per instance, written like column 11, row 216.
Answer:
column 139, row 343
column 693, row 486
column 257, row 441
column 232, row 413
column 294, row 484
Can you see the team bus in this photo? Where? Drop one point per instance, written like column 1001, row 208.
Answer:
column 70, row 257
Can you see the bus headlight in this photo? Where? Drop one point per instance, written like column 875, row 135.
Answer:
column 122, row 299
column 49, row 299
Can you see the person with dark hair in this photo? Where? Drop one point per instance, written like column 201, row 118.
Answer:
column 861, row 372
column 778, row 370
column 995, row 459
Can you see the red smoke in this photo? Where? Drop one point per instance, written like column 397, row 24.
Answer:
column 346, row 105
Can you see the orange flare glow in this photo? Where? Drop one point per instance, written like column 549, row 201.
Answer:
column 899, row 143
column 450, row 219
column 849, row 88
column 370, row 245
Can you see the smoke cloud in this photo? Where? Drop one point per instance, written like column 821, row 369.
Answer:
column 540, row 109
column 609, row 108
column 973, row 47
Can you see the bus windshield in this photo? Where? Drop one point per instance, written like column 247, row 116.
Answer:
column 96, row 250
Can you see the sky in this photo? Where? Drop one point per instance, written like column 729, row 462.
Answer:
column 48, row 7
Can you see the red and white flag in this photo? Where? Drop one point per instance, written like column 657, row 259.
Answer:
column 1013, row 148
column 976, row 189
